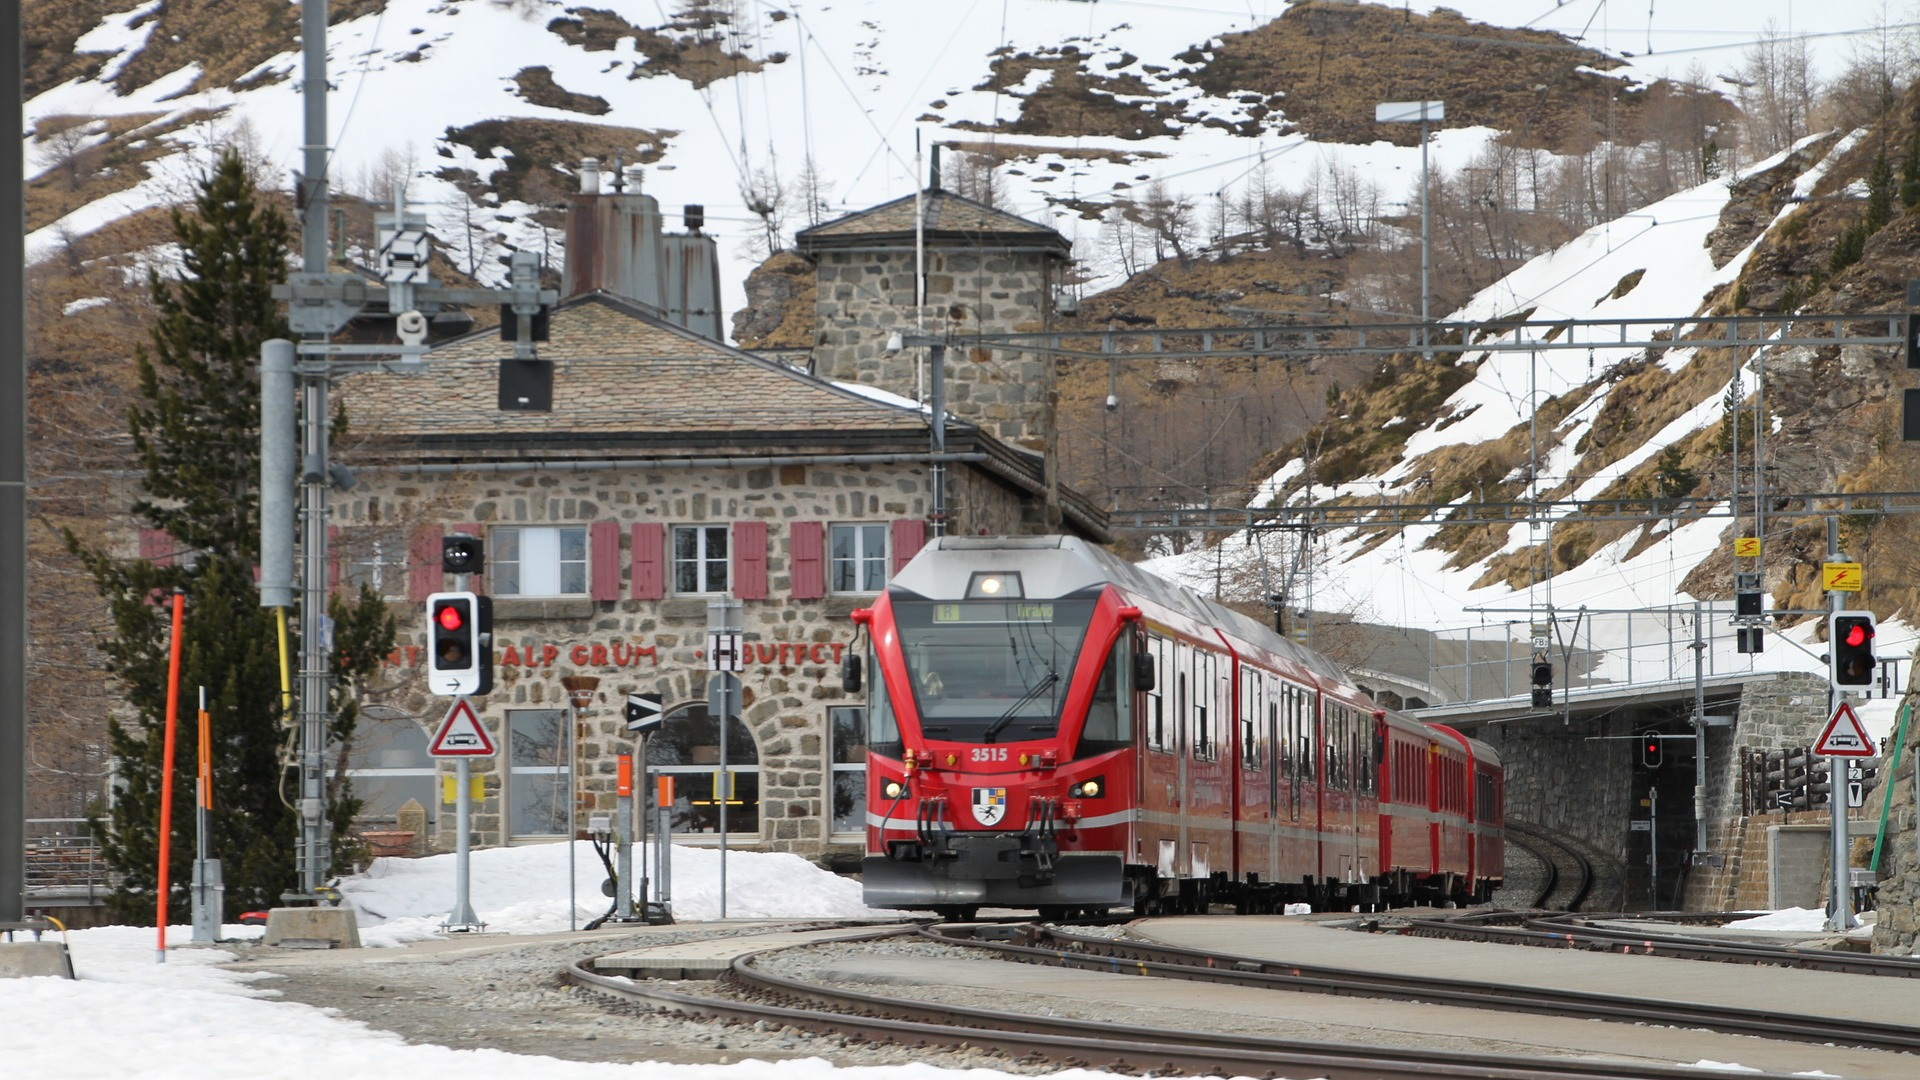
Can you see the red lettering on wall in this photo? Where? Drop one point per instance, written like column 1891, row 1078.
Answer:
column 599, row 655
column 578, row 655
column 646, row 651
column 817, row 653
column 548, row 654
column 767, row 653
column 837, row 647
column 509, row 657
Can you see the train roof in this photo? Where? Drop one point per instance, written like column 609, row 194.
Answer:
column 1068, row 565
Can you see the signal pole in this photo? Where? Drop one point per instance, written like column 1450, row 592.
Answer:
column 1839, row 918
column 320, row 304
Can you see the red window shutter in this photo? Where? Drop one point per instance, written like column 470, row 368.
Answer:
column 806, row 551
column 649, row 560
column 335, row 564
column 156, row 547
column 423, row 562
column 909, row 536
column 750, row 560
column 475, row 582
column 603, row 548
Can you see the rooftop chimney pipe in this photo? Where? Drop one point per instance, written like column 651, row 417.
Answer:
column 589, row 176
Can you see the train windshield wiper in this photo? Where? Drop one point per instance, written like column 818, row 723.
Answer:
column 1034, row 691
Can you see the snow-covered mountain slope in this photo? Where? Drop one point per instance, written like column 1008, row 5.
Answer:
column 841, row 90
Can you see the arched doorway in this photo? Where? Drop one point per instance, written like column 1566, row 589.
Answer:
column 687, row 748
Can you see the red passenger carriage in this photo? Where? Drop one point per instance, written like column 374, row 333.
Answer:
column 1051, row 727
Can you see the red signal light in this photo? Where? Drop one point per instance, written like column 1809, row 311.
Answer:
column 1857, row 635
column 450, row 618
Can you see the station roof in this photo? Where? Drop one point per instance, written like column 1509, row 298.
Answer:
column 949, row 218
column 630, row 385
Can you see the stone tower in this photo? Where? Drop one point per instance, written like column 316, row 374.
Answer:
column 987, row 271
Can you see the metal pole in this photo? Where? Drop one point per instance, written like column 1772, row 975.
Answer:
column 939, row 435
column 723, row 703
column 1426, row 246
column 573, row 807
column 643, row 797
column 461, row 917
column 623, row 831
column 1699, row 736
column 1839, row 918
column 13, row 505
column 314, row 854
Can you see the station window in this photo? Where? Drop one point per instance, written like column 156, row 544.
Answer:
column 539, row 777
column 700, row 563
column 847, row 734
column 389, row 765
column 857, row 558
column 544, row 560
column 376, row 558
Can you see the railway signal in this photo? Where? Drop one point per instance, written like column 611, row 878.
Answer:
column 1542, row 684
column 1650, row 750
column 460, row 635
column 1850, row 643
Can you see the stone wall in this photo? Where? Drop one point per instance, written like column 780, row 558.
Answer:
column 862, row 297
column 655, row 647
column 1897, row 931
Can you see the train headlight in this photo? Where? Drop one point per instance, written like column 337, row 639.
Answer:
column 1087, row 789
column 893, row 789
column 995, row 585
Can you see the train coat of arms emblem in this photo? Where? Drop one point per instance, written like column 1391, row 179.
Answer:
column 989, row 805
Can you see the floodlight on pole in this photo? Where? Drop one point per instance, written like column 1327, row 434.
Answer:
column 1422, row 113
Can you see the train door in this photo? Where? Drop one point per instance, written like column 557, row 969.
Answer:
column 1277, row 758
column 1160, row 764
column 1183, row 690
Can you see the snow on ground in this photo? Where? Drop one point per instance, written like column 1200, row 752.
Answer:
column 129, row 1016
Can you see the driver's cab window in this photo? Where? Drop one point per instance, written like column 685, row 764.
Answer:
column 1109, row 725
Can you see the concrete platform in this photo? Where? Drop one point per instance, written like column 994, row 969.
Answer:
column 25, row 959
column 312, row 928
column 1367, row 1021
column 708, row 958
column 1642, row 978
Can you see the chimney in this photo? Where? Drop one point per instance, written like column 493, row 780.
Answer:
column 589, row 176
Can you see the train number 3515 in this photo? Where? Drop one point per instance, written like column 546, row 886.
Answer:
column 989, row 753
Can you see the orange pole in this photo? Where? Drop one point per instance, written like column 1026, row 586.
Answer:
column 206, row 753
column 166, row 771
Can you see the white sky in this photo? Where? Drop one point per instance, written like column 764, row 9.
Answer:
column 128, row 1016
column 859, row 81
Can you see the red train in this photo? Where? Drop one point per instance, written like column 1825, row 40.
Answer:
column 1051, row 727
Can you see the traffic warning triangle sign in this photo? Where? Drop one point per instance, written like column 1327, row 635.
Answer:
column 1845, row 736
column 461, row 734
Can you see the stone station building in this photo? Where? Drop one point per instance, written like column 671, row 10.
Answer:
column 672, row 471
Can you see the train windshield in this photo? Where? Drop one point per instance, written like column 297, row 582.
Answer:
column 990, row 670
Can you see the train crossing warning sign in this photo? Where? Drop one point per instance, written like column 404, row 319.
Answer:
column 461, row 734
column 1844, row 736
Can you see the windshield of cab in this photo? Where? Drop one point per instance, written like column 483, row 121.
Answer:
column 990, row 670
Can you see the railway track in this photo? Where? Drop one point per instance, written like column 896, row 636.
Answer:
column 754, row 995
column 1569, row 875
column 1586, row 932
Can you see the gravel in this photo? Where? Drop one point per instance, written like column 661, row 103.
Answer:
column 506, row 993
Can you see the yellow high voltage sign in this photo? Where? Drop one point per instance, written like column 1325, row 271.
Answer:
column 1840, row 576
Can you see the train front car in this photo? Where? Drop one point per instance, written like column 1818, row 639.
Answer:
column 999, row 757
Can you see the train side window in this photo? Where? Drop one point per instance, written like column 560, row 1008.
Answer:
column 883, row 730
column 1249, row 715
column 1107, row 726
column 1201, row 691
column 1156, row 718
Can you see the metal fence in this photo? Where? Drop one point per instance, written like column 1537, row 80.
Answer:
column 64, row 859
column 1602, row 648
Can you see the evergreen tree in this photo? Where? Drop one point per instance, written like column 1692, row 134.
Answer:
column 1910, row 176
column 1880, row 192
column 195, row 431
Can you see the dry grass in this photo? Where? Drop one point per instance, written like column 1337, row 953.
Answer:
column 1326, row 65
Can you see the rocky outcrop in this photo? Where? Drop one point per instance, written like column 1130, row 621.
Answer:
column 779, row 310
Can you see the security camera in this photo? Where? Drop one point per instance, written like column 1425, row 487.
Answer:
column 1113, row 403
column 412, row 328
column 895, row 343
